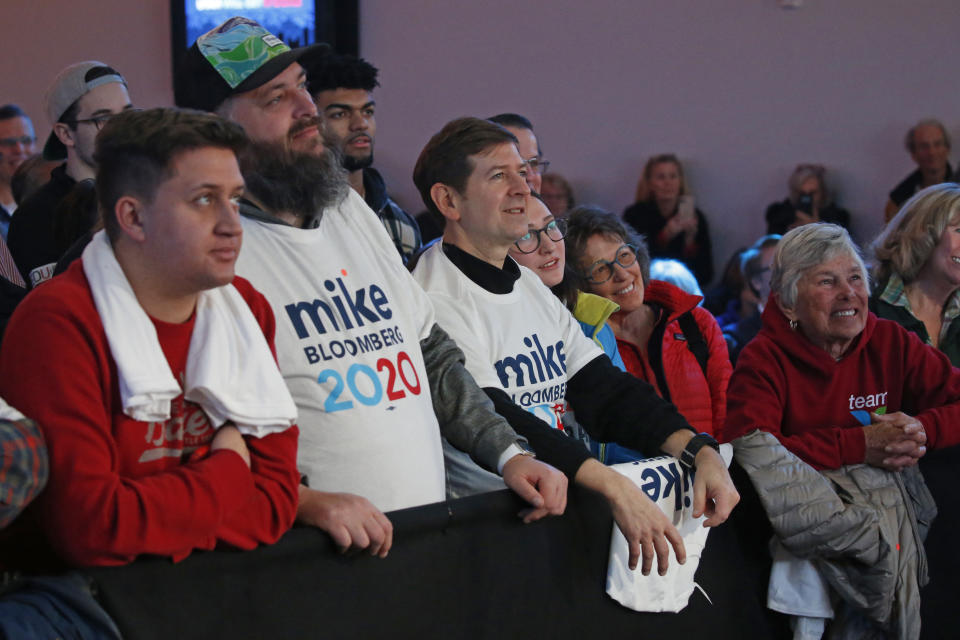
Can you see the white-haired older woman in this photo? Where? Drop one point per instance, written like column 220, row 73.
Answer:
column 833, row 382
column 836, row 385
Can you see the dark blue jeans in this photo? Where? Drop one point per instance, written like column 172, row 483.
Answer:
column 42, row 607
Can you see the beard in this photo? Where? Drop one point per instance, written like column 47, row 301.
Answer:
column 286, row 181
column 352, row 164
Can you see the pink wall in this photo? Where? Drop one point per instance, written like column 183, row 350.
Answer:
column 41, row 37
column 741, row 89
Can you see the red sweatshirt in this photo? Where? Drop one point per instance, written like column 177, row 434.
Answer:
column 816, row 406
column 118, row 487
column 702, row 400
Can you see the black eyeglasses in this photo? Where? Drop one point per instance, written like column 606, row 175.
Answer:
column 12, row 142
column 530, row 242
column 538, row 165
column 97, row 121
column 602, row 270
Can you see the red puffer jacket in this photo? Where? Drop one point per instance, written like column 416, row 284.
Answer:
column 701, row 399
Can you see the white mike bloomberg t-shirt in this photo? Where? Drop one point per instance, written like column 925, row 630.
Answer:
column 349, row 323
column 524, row 342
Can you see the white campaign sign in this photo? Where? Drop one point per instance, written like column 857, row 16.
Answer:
column 671, row 487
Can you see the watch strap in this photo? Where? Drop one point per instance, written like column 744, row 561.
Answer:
column 697, row 442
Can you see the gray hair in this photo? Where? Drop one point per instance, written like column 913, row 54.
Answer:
column 908, row 240
column 804, row 248
column 926, row 122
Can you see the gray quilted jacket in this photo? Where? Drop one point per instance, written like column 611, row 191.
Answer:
column 862, row 527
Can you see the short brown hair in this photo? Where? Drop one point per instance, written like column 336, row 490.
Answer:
column 135, row 151
column 446, row 158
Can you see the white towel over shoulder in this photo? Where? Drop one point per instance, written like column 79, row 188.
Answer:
column 230, row 371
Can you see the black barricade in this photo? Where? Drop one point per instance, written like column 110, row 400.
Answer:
column 464, row 569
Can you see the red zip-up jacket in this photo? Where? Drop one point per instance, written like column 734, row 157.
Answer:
column 702, row 400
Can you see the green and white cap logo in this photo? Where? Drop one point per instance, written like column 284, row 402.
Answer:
column 238, row 47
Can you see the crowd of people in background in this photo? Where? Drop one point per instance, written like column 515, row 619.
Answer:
column 160, row 268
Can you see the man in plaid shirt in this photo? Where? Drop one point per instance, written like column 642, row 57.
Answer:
column 23, row 463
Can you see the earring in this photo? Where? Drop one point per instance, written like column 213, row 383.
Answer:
column 793, row 325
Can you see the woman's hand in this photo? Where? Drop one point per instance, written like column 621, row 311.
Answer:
column 676, row 225
column 894, row 441
column 690, row 230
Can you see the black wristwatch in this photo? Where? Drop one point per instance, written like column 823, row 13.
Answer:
column 697, row 442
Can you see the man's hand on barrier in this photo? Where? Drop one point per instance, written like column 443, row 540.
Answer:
column 646, row 527
column 539, row 484
column 352, row 521
column 713, row 492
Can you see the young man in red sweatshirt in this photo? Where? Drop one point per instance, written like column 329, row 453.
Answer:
column 177, row 455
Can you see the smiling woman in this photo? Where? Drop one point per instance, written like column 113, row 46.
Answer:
column 842, row 391
column 820, row 350
column 664, row 338
column 542, row 249
column 918, row 268
column 823, row 294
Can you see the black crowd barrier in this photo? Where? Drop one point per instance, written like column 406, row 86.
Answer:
column 464, row 569
column 939, row 599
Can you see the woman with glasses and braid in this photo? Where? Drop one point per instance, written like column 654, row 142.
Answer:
column 663, row 337
column 542, row 251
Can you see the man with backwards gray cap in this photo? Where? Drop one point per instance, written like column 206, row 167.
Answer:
column 374, row 378
column 79, row 102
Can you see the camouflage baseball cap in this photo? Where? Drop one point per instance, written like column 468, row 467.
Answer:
column 235, row 57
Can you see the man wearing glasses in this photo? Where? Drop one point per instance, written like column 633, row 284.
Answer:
column 527, row 145
column 529, row 353
column 16, row 145
column 79, row 102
